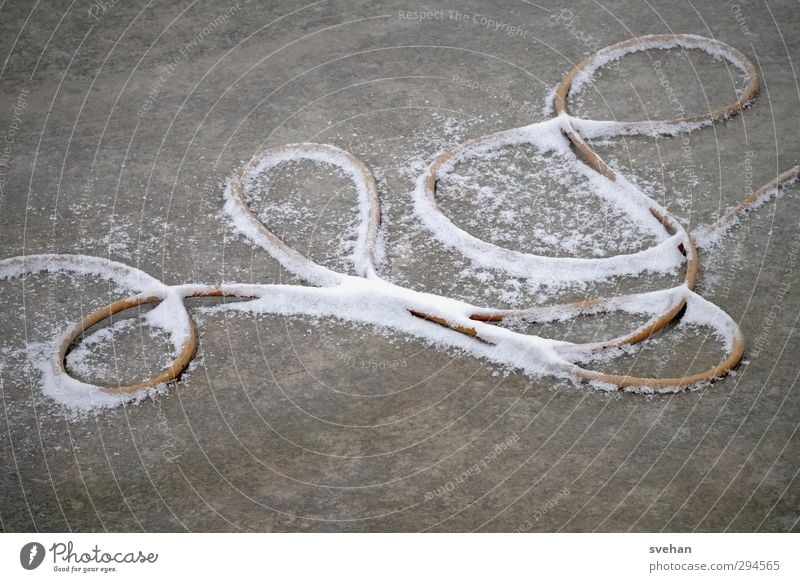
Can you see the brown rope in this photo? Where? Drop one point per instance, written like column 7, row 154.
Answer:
column 324, row 276
column 688, row 248
column 175, row 369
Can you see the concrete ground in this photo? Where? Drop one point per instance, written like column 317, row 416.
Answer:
column 122, row 119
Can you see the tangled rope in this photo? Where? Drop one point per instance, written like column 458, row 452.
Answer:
column 366, row 297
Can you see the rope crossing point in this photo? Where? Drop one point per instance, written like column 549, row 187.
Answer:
column 366, row 297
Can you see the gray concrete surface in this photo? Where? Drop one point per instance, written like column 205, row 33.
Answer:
column 135, row 112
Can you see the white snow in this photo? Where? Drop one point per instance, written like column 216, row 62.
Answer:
column 663, row 257
column 369, row 299
column 124, row 276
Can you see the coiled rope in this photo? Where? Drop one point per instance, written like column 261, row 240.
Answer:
column 470, row 320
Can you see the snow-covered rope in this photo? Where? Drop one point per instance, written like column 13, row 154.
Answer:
column 367, row 298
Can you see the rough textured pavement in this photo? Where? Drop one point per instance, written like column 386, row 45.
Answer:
column 122, row 119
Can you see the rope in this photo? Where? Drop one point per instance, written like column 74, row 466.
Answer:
column 687, row 247
column 479, row 321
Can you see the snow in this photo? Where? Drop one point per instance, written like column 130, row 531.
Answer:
column 607, row 55
column 171, row 317
column 707, row 236
column 367, row 238
column 367, row 298
column 548, row 136
column 122, row 275
column 73, row 394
